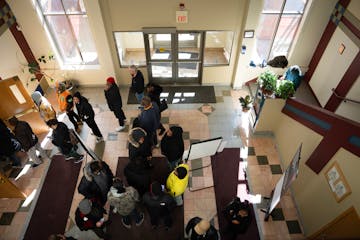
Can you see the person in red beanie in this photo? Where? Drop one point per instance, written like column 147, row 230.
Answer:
column 113, row 99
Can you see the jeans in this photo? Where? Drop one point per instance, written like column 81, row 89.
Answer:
column 179, row 201
column 139, row 96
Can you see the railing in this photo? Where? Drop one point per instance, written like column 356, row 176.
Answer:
column 344, row 98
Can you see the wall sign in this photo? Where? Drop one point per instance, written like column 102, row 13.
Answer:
column 337, row 182
column 181, row 17
column 249, row 33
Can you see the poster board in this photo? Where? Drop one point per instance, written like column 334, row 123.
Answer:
column 204, row 148
column 337, row 182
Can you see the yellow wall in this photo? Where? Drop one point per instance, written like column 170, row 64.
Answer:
column 349, row 109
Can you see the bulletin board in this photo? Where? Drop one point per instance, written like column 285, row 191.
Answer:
column 337, row 182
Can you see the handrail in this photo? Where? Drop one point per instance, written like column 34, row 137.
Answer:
column 344, row 98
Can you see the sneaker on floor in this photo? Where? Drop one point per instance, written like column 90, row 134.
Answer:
column 128, row 226
column 99, row 139
column 141, row 219
column 119, row 129
column 79, row 159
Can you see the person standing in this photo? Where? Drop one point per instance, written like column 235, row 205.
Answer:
column 9, row 146
column 96, row 181
column 149, row 119
column 139, row 144
column 159, row 205
column 46, row 110
column 177, row 182
column 87, row 114
column 199, row 229
column 29, row 141
column 61, row 139
column 124, row 200
column 73, row 117
column 172, row 146
column 113, row 99
column 137, row 82
column 153, row 91
column 238, row 216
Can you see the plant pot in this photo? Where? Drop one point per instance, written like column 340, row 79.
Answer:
column 245, row 109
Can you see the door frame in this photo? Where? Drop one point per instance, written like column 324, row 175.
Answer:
column 174, row 59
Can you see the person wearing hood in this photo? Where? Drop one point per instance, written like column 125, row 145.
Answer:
column 172, row 146
column 87, row 114
column 199, row 229
column 113, row 99
column 89, row 215
column 29, row 141
column 61, row 139
column 96, row 181
column 46, row 110
column 139, row 144
column 159, row 205
column 124, row 200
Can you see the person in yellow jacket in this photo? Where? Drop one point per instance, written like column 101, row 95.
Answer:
column 177, row 182
column 45, row 108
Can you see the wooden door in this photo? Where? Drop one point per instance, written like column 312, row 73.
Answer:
column 8, row 189
column 345, row 226
column 14, row 98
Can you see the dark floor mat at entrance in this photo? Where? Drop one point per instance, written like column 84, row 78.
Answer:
column 183, row 94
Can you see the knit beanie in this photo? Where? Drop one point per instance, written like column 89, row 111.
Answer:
column 36, row 96
column 110, row 80
column 137, row 133
column 85, row 206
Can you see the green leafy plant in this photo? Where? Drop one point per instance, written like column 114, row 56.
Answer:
column 34, row 68
column 267, row 81
column 286, row 89
column 245, row 102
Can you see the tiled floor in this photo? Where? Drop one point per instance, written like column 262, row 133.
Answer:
column 199, row 121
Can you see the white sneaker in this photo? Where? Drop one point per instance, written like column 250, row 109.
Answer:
column 119, row 129
column 99, row 139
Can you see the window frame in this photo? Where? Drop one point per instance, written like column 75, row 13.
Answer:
column 280, row 14
column 232, row 45
column 55, row 44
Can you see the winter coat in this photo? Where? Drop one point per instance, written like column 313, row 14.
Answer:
column 149, row 119
column 176, row 186
column 88, row 221
column 25, row 135
column 137, row 176
column 173, row 147
column 137, row 82
column 211, row 234
column 158, row 205
column 62, row 100
column 90, row 189
column 155, row 93
column 61, row 138
column 8, row 143
column 46, row 110
column 84, row 109
column 113, row 97
column 139, row 150
column 123, row 202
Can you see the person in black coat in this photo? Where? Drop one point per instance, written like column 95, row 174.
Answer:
column 159, row 205
column 138, row 174
column 199, row 229
column 172, row 146
column 137, row 82
column 61, row 139
column 87, row 114
column 90, row 216
column 9, row 146
column 73, row 117
column 238, row 216
column 96, row 181
column 29, row 141
column 139, row 145
column 114, row 102
column 149, row 118
column 153, row 91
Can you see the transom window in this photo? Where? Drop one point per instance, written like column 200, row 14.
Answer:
column 279, row 22
column 67, row 23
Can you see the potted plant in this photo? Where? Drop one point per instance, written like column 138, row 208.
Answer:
column 245, row 103
column 286, row 89
column 267, row 81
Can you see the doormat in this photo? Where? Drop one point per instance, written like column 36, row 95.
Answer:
column 182, row 94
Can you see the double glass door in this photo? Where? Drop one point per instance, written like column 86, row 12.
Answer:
column 174, row 57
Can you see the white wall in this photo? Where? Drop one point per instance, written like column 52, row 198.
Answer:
column 13, row 62
column 36, row 37
column 332, row 66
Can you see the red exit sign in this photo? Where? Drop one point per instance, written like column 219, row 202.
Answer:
column 181, row 16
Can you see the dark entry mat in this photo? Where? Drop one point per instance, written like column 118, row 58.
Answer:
column 183, row 94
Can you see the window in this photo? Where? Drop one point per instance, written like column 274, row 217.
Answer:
column 218, row 45
column 130, row 48
column 67, row 24
column 278, row 25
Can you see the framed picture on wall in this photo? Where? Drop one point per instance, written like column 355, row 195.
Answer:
column 249, row 33
column 337, row 182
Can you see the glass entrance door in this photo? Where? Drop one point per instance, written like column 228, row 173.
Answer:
column 174, row 57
